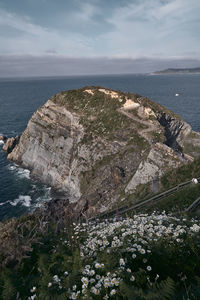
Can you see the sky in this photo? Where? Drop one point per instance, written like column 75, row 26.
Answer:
column 76, row 37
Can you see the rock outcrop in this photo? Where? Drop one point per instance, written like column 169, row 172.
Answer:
column 10, row 143
column 93, row 144
column 3, row 138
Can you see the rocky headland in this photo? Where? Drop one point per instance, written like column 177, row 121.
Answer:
column 172, row 71
column 94, row 146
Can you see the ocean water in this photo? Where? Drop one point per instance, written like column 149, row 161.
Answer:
column 19, row 98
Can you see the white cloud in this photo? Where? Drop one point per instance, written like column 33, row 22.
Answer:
column 148, row 28
column 31, row 38
column 152, row 26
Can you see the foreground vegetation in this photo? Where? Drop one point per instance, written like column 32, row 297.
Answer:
column 145, row 256
column 153, row 255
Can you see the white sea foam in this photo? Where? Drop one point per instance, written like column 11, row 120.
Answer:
column 40, row 201
column 22, row 173
column 24, row 200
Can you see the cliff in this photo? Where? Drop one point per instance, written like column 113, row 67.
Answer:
column 94, row 146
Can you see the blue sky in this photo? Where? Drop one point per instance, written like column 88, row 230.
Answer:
column 76, row 31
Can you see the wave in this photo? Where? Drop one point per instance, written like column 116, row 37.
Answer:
column 40, row 201
column 24, row 200
column 22, row 173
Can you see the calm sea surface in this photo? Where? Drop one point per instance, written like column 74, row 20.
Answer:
column 19, row 98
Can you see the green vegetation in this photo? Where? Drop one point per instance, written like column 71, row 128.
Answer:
column 98, row 112
column 181, row 174
column 144, row 257
column 177, row 202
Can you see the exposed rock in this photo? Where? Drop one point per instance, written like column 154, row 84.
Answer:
column 48, row 147
column 3, row 138
column 159, row 160
column 10, row 144
column 175, row 130
column 93, row 144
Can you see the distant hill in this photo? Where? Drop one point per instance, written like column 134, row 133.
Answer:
column 178, row 71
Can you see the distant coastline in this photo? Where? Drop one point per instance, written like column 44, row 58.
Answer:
column 177, row 71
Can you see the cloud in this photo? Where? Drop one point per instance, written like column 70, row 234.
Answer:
column 150, row 26
column 93, row 28
column 30, row 38
column 56, row 65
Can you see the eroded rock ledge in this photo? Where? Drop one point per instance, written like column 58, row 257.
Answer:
column 94, row 144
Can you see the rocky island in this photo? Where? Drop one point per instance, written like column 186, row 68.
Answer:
column 95, row 146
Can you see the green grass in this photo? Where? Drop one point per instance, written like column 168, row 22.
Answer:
column 175, row 203
column 181, row 174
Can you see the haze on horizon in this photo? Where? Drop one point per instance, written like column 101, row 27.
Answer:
column 58, row 38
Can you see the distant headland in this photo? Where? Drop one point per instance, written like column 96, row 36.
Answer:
column 177, row 71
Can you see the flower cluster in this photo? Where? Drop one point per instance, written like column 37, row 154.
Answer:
column 129, row 240
column 113, row 253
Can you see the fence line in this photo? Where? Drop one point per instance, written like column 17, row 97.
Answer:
column 124, row 209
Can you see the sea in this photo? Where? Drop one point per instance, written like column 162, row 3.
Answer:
column 20, row 97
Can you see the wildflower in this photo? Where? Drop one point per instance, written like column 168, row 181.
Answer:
column 157, row 276
column 33, row 289
column 116, row 282
column 132, row 278
column 74, row 296
column 92, row 272
column 113, row 292
column 49, row 284
column 122, row 262
column 128, row 270
column 97, row 266
column 195, row 228
column 66, row 273
column 95, row 291
column 74, row 287
column 133, row 255
column 87, row 267
column 149, row 268
column 85, row 280
column 84, row 290
column 106, row 283
column 56, row 278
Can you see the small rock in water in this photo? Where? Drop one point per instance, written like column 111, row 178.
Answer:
column 10, row 144
column 3, row 138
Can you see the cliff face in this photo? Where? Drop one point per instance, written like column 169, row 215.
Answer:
column 47, row 147
column 95, row 145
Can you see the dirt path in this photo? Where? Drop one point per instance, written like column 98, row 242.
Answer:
column 142, row 132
